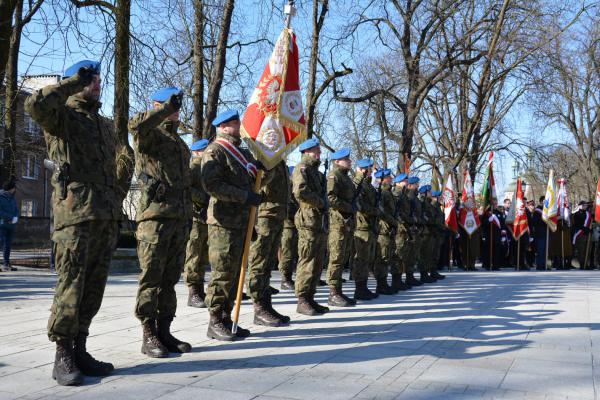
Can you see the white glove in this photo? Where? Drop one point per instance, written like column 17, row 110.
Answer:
column 530, row 240
column 14, row 220
column 458, row 235
column 491, row 219
column 503, row 240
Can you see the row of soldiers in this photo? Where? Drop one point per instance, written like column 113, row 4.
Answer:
column 394, row 228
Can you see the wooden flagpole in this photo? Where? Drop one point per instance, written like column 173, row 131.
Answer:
column 547, row 240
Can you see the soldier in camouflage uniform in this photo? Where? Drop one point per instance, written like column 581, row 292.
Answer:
column 440, row 235
column 164, row 209
column 228, row 176
column 384, row 248
column 93, row 172
column 310, row 191
column 411, row 254
column 289, row 241
column 196, row 254
column 263, row 250
column 365, row 235
column 426, row 236
column 402, row 237
column 341, row 197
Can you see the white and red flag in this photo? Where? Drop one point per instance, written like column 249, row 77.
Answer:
column 519, row 225
column 274, row 123
column 564, row 211
column 449, row 197
column 597, row 204
column 468, row 218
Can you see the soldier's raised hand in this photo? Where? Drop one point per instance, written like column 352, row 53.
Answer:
column 175, row 101
column 85, row 75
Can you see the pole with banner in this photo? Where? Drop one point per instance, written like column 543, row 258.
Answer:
column 550, row 211
column 274, row 123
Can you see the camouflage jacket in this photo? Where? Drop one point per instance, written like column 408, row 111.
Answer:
column 416, row 209
column 275, row 193
column 162, row 164
column 100, row 163
column 292, row 208
column 309, row 190
column 439, row 217
column 227, row 183
column 387, row 205
column 340, row 194
column 200, row 198
column 367, row 212
column 403, row 209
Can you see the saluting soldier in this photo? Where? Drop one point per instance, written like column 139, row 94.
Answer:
column 385, row 245
column 289, row 240
column 403, row 236
column 228, row 176
column 411, row 253
column 341, row 196
column 196, row 255
column 263, row 250
column 164, row 209
column 441, row 234
column 426, row 236
column 93, row 173
column 310, row 192
column 365, row 235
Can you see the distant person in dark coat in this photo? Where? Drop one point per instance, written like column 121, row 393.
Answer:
column 9, row 215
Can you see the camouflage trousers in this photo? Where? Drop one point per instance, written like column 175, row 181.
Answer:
column 402, row 253
column 225, row 248
column 82, row 259
column 425, row 249
column 412, row 254
column 161, row 251
column 196, row 254
column 263, row 254
column 289, row 250
column 365, row 243
column 340, row 249
column 312, row 248
column 384, row 255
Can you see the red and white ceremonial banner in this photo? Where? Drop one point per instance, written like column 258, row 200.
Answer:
column 274, row 123
column 520, row 226
column 564, row 211
column 450, row 205
column 597, row 204
column 468, row 218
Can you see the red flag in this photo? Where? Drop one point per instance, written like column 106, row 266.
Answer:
column 274, row 123
column 468, row 218
column 597, row 204
column 450, row 205
column 520, row 225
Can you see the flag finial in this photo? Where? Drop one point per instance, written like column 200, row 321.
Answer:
column 289, row 10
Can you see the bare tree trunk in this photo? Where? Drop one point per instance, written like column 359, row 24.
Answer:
column 7, row 9
column 214, row 89
column 121, row 106
column 198, row 96
column 311, row 99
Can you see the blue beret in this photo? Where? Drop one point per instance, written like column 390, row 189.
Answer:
column 400, row 178
column 341, row 153
column 382, row 173
column 425, row 188
column 226, row 116
column 72, row 70
column 199, row 145
column 436, row 193
column 164, row 94
column 364, row 163
column 413, row 179
column 308, row 144
column 290, row 169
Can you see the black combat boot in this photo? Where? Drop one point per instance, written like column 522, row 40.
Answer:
column 425, row 278
column 87, row 364
column 273, row 290
column 305, row 307
column 65, row 370
column 241, row 333
column 287, row 283
column 336, row 299
column 151, row 344
column 436, row 275
column 264, row 316
column 397, row 283
column 362, row 291
column 383, row 287
column 218, row 329
column 348, row 299
column 411, row 280
column 172, row 344
column 322, row 283
column 320, row 309
column 196, row 296
column 283, row 318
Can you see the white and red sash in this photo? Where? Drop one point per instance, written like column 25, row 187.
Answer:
column 586, row 224
column 238, row 156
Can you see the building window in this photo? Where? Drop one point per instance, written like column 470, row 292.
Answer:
column 28, row 208
column 31, row 127
column 31, row 167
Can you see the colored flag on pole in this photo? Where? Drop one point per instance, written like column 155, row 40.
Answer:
column 564, row 211
column 519, row 225
column 550, row 211
column 274, row 123
column 488, row 193
column 450, row 205
column 468, row 217
column 597, row 204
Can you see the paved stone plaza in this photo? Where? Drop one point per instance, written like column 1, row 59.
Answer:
column 531, row 335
